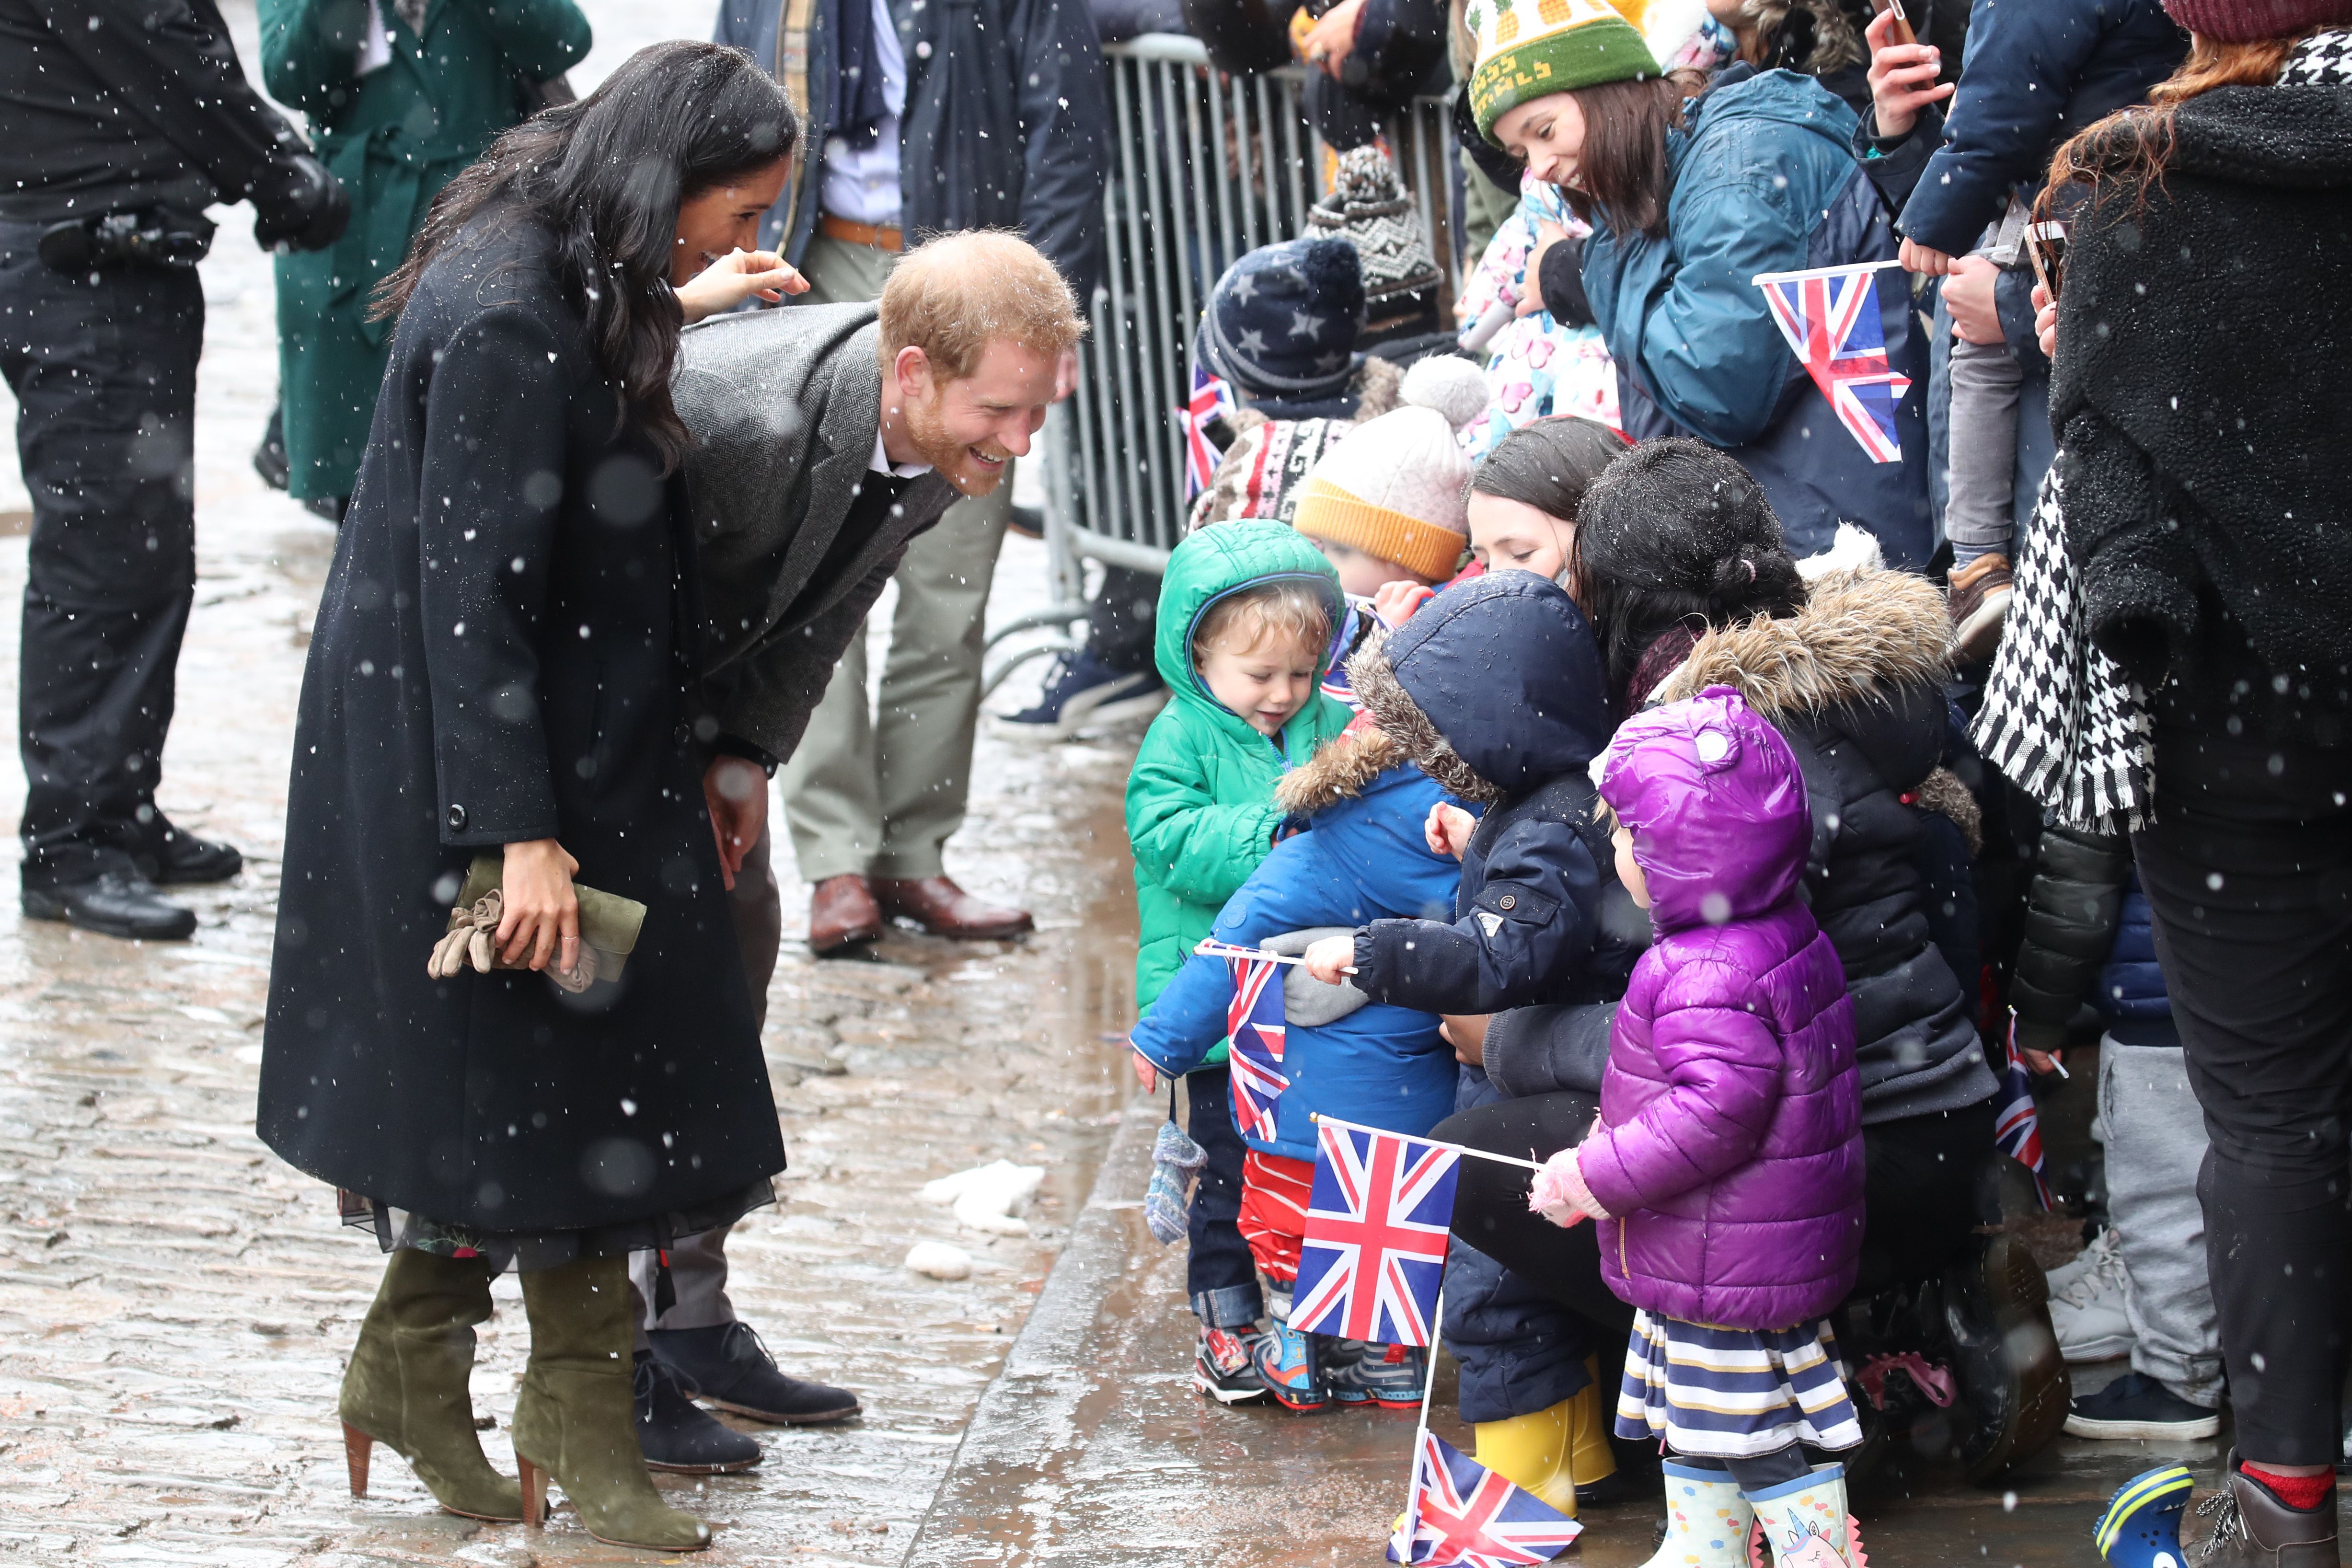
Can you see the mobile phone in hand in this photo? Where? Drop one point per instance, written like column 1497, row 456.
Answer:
column 2045, row 247
column 1903, row 33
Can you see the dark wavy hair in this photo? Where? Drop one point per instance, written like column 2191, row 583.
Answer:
column 1548, row 464
column 1675, row 533
column 604, row 176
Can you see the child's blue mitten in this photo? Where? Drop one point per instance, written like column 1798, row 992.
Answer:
column 1176, row 1160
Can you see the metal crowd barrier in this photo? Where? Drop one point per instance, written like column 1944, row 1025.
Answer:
column 1205, row 166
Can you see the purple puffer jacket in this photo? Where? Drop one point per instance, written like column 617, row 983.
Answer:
column 1730, row 1145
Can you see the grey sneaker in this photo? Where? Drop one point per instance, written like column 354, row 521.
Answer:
column 2087, row 1311
column 1361, row 1372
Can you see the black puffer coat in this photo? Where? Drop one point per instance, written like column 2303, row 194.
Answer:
column 1855, row 681
column 1495, row 689
column 503, row 654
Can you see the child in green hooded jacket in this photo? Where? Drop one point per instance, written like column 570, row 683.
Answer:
column 1247, row 614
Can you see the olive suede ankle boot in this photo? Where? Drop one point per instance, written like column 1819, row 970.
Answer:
column 407, row 1384
column 575, row 1420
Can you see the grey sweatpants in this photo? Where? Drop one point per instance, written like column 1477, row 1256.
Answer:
column 1978, row 517
column 2155, row 1138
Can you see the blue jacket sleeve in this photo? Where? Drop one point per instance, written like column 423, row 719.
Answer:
column 1531, row 921
column 1065, row 115
column 2022, row 63
column 1710, row 353
column 1184, row 1025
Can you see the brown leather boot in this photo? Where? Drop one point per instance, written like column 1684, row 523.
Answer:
column 1978, row 601
column 2252, row 1529
column 842, row 911
column 942, row 909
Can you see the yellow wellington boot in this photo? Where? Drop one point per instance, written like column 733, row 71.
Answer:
column 1532, row 1452
column 1590, row 1458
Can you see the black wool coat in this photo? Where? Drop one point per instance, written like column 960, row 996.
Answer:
column 503, row 653
column 2198, row 396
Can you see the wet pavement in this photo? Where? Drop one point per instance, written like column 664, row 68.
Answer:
column 175, row 1303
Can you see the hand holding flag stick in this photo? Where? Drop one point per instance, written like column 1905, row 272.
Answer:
column 1210, row 947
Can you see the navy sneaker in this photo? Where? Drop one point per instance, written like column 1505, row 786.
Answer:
column 1222, row 1367
column 2136, row 1407
column 1363, row 1372
column 1082, row 691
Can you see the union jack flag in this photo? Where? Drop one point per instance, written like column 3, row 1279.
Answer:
column 1464, row 1514
column 1211, row 400
column 1830, row 316
column 1255, row 1024
column 1374, row 1251
column 2017, row 1129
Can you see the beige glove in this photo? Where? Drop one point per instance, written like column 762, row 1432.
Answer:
column 472, row 938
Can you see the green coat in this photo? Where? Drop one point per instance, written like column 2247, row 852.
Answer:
column 394, row 137
column 1200, row 803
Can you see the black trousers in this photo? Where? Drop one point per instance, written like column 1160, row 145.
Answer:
column 104, row 369
column 2248, row 868
column 1119, row 619
column 1920, row 1197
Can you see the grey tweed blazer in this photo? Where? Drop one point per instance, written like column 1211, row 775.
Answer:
column 783, row 405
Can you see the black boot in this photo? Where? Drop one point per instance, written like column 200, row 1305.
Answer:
column 2005, row 1354
column 113, row 903
column 2253, row 1529
column 676, row 1434
column 734, row 1371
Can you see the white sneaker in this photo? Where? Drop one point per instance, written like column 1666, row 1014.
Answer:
column 2086, row 1302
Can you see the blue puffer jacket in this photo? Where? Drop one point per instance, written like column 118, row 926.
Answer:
column 1765, row 180
column 1362, row 858
column 2131, row 986
column 2037, row 71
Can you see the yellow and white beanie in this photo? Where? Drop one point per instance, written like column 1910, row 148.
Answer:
column 1394, row 487
column 1530, row 48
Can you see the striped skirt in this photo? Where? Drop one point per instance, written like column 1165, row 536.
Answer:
column 1734, row 1394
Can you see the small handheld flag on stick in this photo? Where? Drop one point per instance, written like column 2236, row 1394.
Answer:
column 1210, row 947
column 1373, row 1253
column 1211, row 400
column 1464, row 1515
column 1255, row 1025
column 1831, row 317
column 2017, row 1127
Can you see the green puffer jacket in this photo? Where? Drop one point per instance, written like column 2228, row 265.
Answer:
column 1200, row 803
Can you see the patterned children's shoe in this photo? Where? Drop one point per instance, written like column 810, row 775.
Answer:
column 1222, row 1369
column 1804, row 1523
column 1363, row 1372
column 1284, row 1362
column 1707, row 1521
column 2141, row 1528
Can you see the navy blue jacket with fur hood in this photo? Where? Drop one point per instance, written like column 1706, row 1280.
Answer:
column 1496, row 690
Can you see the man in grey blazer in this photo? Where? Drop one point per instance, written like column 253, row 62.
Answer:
column 826, row 436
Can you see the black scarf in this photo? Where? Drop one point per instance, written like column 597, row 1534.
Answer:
column 858, row 104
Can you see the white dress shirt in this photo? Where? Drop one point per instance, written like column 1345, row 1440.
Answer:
column 863, row 187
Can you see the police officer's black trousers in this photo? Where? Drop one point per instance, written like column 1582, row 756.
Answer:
column 104, row 369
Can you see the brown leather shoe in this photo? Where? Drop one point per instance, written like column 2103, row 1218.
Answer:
column 842, row 911
column 942, row 909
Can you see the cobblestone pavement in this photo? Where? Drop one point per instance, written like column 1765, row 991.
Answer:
column 175, row 1302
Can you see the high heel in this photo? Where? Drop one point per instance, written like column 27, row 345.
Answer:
column 574, row 1420
column 405, row 1385
column 357, row 1449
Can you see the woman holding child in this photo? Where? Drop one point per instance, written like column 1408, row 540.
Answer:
column 498, row 686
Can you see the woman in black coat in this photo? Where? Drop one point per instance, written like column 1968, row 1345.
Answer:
column 500, row 672
column 1680, row 562
column 2200, row 338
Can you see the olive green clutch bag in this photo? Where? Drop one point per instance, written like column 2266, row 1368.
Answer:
column 609, row 925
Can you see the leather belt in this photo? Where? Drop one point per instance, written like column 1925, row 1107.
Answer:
column 879, row 237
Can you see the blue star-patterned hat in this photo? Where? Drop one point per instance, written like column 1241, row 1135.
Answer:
column 1282, row 322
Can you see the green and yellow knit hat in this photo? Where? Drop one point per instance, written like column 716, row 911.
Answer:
column 1529, row 48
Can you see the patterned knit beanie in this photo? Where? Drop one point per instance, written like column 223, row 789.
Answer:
column 1532, row 49
column 1395, row 488
column 1282, row 321
column 1367, row 208
column 2245, row 21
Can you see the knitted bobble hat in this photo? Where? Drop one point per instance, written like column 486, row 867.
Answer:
column 2247, row 21
column 1393, row 488
column 1282, row 321
column 1532, row 49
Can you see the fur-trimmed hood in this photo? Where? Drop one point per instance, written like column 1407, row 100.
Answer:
column 1340, row 769
column 1861, row 634
column 1494, row 688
